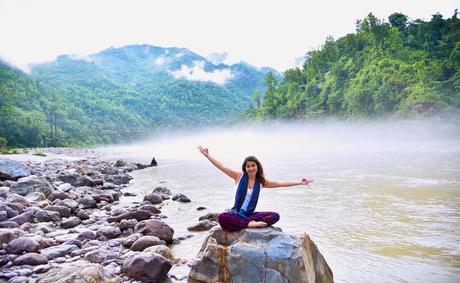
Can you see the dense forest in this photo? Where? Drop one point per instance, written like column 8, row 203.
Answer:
column 399, row 68
column 118, row 94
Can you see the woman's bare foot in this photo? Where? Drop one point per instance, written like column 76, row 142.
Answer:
column 256, row 224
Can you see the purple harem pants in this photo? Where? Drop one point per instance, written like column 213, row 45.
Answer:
column 232, row 223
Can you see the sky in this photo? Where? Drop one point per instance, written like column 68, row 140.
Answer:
column 260, row 32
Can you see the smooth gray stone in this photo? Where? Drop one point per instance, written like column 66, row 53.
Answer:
column 32, row 184
column 13, row 170
column 58, row 251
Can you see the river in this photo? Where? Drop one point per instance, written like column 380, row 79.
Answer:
column 384, row 205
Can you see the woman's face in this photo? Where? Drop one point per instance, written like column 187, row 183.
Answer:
column 251, row 167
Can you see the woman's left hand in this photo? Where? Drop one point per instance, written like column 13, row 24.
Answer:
column 305, row 181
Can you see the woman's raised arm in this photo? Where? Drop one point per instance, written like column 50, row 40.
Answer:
column 229, row 172
column 274, row 184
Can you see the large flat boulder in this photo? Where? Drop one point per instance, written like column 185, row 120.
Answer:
column 31, row 184
column 259, row 255
column 13, row 170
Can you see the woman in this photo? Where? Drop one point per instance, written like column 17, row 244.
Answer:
column 249, row 183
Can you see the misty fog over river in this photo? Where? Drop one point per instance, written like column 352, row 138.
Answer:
column 384, row 205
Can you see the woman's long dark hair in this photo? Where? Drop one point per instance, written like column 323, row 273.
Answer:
column 260, row 170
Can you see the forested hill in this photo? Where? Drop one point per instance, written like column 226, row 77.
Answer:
column 119, row 93
column 393, row 68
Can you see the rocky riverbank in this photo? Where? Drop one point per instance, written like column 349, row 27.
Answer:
column 61, row 220
column 71, row 217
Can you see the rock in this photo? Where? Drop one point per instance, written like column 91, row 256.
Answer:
column 210, row 216
column 109, row 170
column 99, row 256
column 45, row 242
column 87, row 235
column 58, row 251
column 9, row 224
column 47, row 216
column 264, row 255
column 84, row 169
column 83, row 251
column 65, row 187
column 8, row 274
column 23, row 218
column 22, row 244
column 156, row 228
column 139, row 215
column 129, row 241
column 120, row 163
column 127, row 223
column 75, row 242
column 19, row 208
column 112, row 268
column 151, row 208
column 3, row 215
column 69, row 203
column 200, row 208
column 32, row 184
column 203, row 225
column 58, row 195
column 13, row 170
column 147, row 267
column 78, row 272
column 127, row 232
column 19, row 279
column 35, row 197
column 109, row 232
column 142, row 166
column 76, row 180
column 118, row 179
column 145, row 242
column 83, row 214
column 44, row 227
column 128, row 194
column 160, row 249
column 9, row 212
column 15, row 198
column 30, row 259
column 26, row 227
column 153, row 198
column 181, row 198
column 162, row 190
column 41, row 268
column 104, row 197
column 70, row 222
column 87, row 202
column 62, row 210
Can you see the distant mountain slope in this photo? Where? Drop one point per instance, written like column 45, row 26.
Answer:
column 119, row 92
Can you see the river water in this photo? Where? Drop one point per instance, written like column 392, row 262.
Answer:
column 384, row 205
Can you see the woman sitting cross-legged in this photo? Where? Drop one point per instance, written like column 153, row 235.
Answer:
column 249, row 183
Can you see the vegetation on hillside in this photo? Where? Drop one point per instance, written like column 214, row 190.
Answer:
column 399, row 68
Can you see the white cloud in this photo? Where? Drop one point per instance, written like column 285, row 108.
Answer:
column 197, row 73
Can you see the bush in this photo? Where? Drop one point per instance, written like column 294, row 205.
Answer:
column 3, row 143
column 39, row 153
column 5, row 151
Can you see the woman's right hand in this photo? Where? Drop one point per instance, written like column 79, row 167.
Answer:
column 203, row 151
